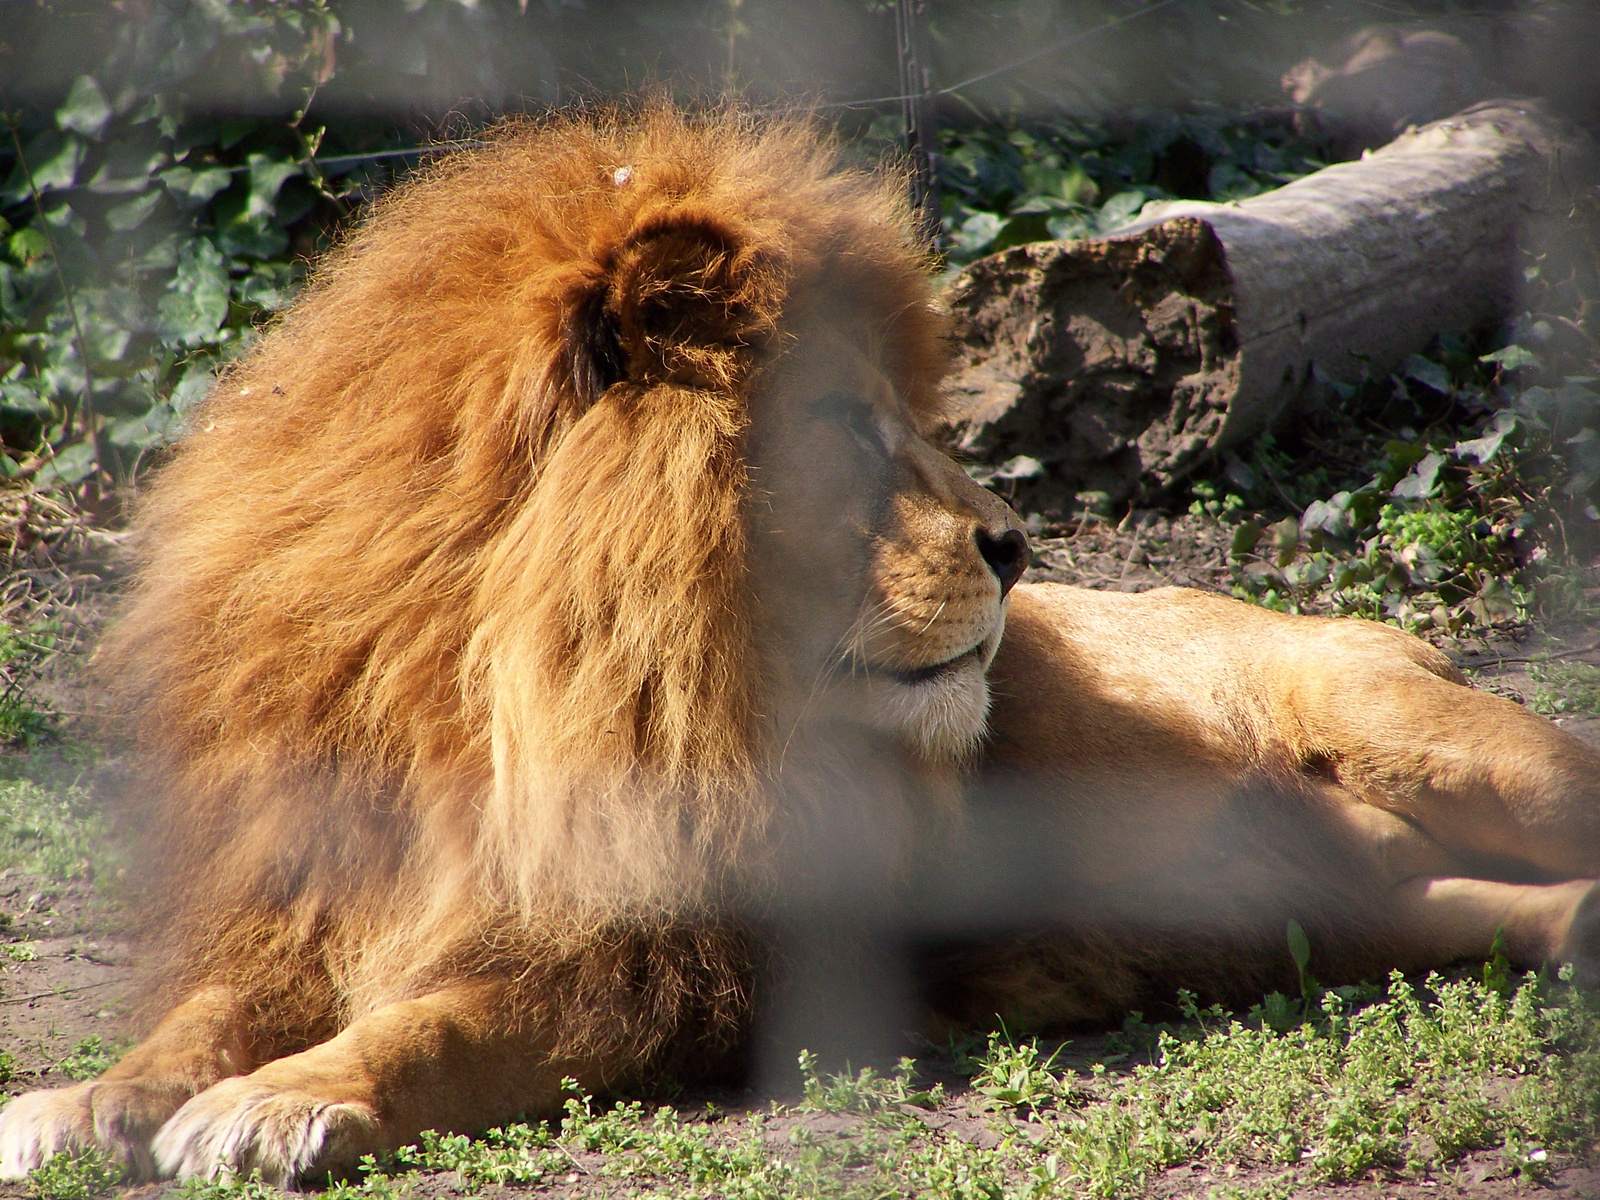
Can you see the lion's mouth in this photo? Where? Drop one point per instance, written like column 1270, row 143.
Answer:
column 915, row 675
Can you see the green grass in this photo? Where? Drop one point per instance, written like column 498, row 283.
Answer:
column 1396, row 1088
column 23, row 723
column 1565, row 688
column 75, row 1177
column 92, row 1057
column 51, row 831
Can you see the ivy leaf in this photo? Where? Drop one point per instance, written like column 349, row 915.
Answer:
column 271, row 285
column 1511, row 358
column 134, row 213
column 1331, row 516
column 1285, row 540
column 1345, row 391
column 1482, row 449
column 193, row 188
column 1020, row 467
column 1019, row 231
column 1494, row 602
column 1120, row 210
column 157, row 427
column 23, row 397
column 27, row 244
column 128, row 164
column 242, row 233
column 267, row 176
column 1422, row 480
column 194, row 387
column 1070, row 226
column 71, row 465
column 197, row 302
column 54, row 158
column 1426, row 371
column 86, row 110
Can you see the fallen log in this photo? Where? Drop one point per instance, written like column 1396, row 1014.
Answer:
column 1111, row 368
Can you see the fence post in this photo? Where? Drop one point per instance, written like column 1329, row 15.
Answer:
column 917, row 111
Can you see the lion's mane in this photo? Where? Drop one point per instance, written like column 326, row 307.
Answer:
column 442, row 654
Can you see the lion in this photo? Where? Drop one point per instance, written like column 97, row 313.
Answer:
column 568, row 597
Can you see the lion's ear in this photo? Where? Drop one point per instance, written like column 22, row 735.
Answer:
column 685, row 298
column 592, row 345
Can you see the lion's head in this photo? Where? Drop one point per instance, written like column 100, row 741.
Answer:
column 590, row 478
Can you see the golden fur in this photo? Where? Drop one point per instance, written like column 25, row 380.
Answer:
column 567, row 592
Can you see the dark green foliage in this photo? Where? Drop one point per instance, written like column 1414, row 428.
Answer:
column 1453, row 493
column 1070, row 179
column 150, row 236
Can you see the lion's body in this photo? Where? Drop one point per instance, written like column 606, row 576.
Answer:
column 566, row 592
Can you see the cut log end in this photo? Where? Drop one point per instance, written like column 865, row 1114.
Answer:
column 1111, row 361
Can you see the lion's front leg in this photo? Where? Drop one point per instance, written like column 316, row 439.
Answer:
column 450, row 1061
column 202, row 1040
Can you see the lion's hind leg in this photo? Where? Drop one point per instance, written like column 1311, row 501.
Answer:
column 1446, row 919
column 202, row 1040
column 1505, row 792
column 1434, row 913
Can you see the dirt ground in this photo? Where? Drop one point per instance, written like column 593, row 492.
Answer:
column 80, row 982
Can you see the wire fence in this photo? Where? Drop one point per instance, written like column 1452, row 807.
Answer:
column 338, row 162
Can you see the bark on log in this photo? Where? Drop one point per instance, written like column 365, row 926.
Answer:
column 1123, row 363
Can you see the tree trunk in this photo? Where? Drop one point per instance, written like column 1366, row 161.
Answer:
column 1118, row 365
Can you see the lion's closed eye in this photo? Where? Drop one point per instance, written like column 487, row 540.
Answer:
column 855, row 413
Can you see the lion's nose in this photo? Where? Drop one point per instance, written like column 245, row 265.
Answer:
column 1007, row 555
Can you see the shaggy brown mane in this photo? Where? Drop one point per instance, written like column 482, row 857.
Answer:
column 451, row 618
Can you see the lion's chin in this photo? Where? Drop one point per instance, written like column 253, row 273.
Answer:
column 941, row 710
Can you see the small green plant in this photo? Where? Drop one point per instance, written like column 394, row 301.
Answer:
column 22, row 724
column 91, row 1057
column 1300, row 951
column 20, row 952
column 229, row 1187
column 75, row 1176
column 1565, row 688
column 863, row 1091
column 1497, row 967
column 516, row 1154
column 1016, row 1075
column 374, row 1185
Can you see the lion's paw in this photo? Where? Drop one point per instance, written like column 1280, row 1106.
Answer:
column 244, row 1125
column 37, row 1126
column 118, row 1117
column 1581, row 947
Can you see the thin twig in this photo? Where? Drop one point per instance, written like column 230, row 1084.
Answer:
column 560, row 1146
column 82, row 987
column 1545, row 657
